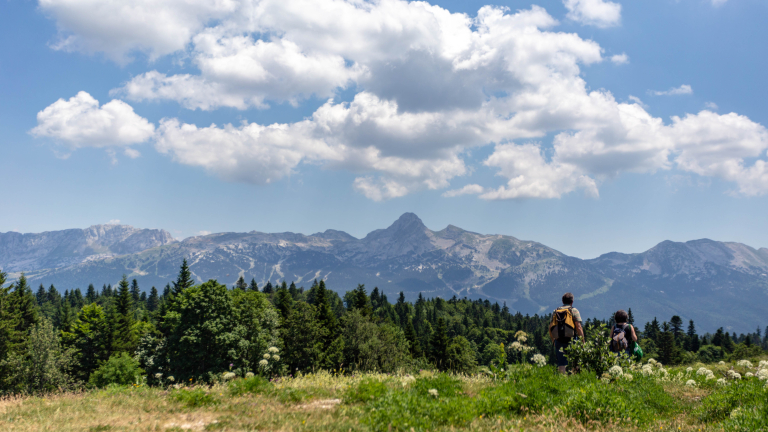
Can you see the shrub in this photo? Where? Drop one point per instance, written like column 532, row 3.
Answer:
column 253, row 385
column 594, row 353
column 120, row 369
column 194, row 398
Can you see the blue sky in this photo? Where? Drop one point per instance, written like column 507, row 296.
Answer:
column 551, row 122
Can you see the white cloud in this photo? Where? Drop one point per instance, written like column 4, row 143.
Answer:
column 470, row 189
column 638, row 101
column 711, row 105
column 114, row 222
column 203, row 233
column 620, row 59
column 430, row 86
column 131, row 153
column 598, row 13
column 717, row 3
column 80, row 122
column 684, row 89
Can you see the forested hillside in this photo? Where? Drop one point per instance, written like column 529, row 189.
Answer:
column 200, row 331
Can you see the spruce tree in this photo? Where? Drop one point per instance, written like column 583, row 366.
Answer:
column 7, row 321
column 124, row 336
column 438, row 344
column 283, row 302
column 184, row 280
column 693, row 339
column 268, row 289
column 630, row 317
column 24, row 306
column 254, row 286
column 410, row 336
column 676, row 324
column 153, row 300
column 90, row 295
column 41, row 295
column 167, row 291
column 293, row 291
column 135, row 292
column 240, row 284
column 666, row 344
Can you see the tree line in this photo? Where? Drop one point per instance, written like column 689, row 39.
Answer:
column 197, row 332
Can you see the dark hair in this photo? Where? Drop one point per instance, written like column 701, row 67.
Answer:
column 567, row 298
column 621, row 317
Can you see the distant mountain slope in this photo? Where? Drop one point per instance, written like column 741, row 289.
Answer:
column 54, row 249
column 728, row 279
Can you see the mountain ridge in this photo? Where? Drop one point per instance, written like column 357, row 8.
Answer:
column 699, row 278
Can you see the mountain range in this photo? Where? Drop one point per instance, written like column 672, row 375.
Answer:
column 714, row 283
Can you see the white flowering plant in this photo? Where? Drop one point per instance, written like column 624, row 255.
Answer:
column 270, row 362
column 593, row 352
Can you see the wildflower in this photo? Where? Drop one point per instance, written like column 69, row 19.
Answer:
column 273, row 350
column 690, row 383
column 721, row 363
column 733, row 375
column 229, row 376
column 628, row 377
column 539, row 360
column 171, row 378
column 710, row 376
column 249, row 375
column 763, row 364
column 276, row 357
column 266, row 356
column 762, row 374
column 605, row 380
column 158, row 375
column 748, row 375
column 722, row 382
column 521, row 336
column 647, row 370
column 263, row 363
column 744, row 363
column 433, row 392
column 735, row 413
column 703, row 371
column 616, row 371
column 689, row 370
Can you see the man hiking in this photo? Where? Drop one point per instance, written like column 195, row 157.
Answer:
column 565, row 326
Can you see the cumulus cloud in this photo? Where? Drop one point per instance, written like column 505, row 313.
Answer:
column 598, row 13
column 620, row 59
column 114, row 222
column 81, row 122
column 717, row 3
column 470, row 189
column 711, row 105
column 429, row 86
column 684, row 89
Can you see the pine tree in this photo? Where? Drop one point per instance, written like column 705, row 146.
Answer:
column 240, row 284
column 167, row 291
column 438, row 344
column 124, row 337
column 410, row 336
column 676, row 324
column 293, row 291
column 283, row 302
column 630, row 317
column 65, row 317
column 24, row 306
column 90, row 336
column 41, row 296
column 268, row 289
column 135, row 292
column 360, row 301
column 8, row 336
column 693, row 342
column 254, row 286
column 666, row 344
column 153, row 300
column 184, row 279
column 91, row 295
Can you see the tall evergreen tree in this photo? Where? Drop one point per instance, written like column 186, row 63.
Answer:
column 630, row 317
column 7, row 321
column 91, row 295
column 135, row 292
column 41, row 295
column 90, row 336
column 153, row 300
column 693, row 342
column 439, row 343
column 676, row 325
column 240, row 284
column 666, row 345
column 184, row 280
column 283, row 302
column 254, row 286
column 124, row 336
column 167, row 291
column 24, row 305
column 268, row 288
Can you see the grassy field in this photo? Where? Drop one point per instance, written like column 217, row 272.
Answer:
column 528, row 398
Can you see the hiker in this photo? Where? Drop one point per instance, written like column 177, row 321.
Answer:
column 565, row 326
column 623, row 336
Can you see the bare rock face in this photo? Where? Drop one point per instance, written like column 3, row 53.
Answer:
column 56, row 249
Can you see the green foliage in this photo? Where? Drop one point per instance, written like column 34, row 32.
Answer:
column 255, row 330
column 43, row 367
column 120, row 369
column 710, row 354
column 593, row 353
column 460, row 357
column 740, row 405
column 365, row 391
column 194, row 398
column 371, row 347
column 90, row 337
column 744, row 351
column 124, row 337
column 203, row 342
column 250, row 385
column 301, row 335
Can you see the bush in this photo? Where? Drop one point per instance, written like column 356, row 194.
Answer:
column 194, row 398
column 594, row 353
column 252, row 385
column 710, row 354
column 120, row 369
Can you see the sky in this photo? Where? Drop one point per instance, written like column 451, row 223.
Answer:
column 587, row 125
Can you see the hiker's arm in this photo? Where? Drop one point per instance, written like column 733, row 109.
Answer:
column 579, row 330
column 634, row 336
